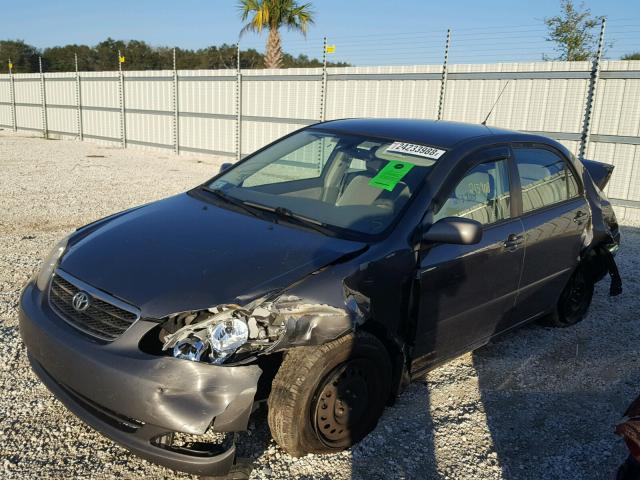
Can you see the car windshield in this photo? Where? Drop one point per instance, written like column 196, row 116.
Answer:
column 333, row 180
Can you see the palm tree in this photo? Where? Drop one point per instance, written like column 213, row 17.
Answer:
column 273, row 14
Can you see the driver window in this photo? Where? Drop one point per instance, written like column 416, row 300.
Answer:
column 481, row 195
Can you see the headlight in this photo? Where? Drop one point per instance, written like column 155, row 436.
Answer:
column 226, row 337
column 216, row 334
column 49, row 264
column 231, row 333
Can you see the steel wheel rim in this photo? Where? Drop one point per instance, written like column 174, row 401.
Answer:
column 576, row 295
column 342, row 403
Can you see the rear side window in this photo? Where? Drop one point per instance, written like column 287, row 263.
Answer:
column 545, row 178
column 481, row 195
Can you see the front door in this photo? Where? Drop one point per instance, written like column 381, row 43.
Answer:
column 467, row 292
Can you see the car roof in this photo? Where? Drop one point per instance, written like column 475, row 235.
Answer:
column 431, row 132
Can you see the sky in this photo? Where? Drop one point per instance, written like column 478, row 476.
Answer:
column 364, row 32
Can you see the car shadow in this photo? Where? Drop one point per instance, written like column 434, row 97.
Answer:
column 537, row 402
column 553, row 396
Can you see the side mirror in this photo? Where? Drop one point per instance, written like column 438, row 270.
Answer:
column 456, row 230
column 225, row 166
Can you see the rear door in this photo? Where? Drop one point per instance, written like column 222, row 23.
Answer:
column 467, row 292
column 555, row 215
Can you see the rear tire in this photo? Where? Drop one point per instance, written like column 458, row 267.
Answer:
column 574, row 301
column 328, row 397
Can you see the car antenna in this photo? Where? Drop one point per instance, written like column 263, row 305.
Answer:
column 484, row 122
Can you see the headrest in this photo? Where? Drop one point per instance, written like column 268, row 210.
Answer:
column 476, row 187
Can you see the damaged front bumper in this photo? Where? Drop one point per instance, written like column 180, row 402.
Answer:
column 137, row 399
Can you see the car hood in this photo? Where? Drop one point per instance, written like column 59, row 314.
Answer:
column 182, row 254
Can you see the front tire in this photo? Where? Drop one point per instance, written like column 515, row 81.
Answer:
column 574, row 301
column 328, row 397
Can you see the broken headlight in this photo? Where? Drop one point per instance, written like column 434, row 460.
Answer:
column 217, row 334
column 231, row 333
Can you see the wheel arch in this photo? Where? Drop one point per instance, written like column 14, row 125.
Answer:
column 397, row 357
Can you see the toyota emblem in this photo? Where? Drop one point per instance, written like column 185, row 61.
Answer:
column 80, row 301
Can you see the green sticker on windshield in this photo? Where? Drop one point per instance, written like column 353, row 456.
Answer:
column 391, row 174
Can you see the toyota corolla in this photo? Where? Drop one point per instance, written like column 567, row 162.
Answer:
column 317, row 276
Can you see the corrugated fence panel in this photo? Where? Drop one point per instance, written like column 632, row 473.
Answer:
column 62, row 112
column 295, row 95
column 28, row 102
column 5, row 101
column 546, row 97
column 572, row 146
column 207, row 134
column 150, row 128
column 100, row 105
column 258, row 134
column 297, row 99
column 207, row 110
column 528, row 102
column 617, row 107
column 149, row 91
column 383, row 92
column 207, row 91
column 625, row 181
column 101, row 125
column 149, row 106
column 617, row 113
column 63, row 120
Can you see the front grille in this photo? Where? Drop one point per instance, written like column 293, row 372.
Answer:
column 102, row 319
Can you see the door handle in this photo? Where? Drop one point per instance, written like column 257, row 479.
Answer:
column 513, row 241
column 580, row 217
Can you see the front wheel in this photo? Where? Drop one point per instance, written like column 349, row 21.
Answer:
column 574, row 300
column 325, row 398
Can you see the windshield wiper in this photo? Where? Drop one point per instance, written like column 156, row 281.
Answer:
column 304, row 221
column 288, row 215
column 280, row 212
column 221, row 195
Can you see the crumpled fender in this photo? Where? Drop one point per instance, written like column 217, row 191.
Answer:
column 598, row 234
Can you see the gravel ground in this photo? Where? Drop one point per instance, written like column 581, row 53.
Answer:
column 537, row 403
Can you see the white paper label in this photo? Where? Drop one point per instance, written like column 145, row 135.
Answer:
column 418, row 150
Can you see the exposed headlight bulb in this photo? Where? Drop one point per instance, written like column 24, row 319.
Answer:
column 225, row 338
column 190, row 348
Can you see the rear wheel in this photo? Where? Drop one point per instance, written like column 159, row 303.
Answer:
column 326, row 398
column 574, row 301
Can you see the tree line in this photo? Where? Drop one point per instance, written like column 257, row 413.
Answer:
column 139, row 55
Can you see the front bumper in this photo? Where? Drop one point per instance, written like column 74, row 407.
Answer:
column 136, row 398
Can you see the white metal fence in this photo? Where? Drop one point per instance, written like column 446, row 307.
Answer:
column 230, row 113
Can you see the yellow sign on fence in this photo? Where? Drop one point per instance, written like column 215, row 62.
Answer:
column 331, row 49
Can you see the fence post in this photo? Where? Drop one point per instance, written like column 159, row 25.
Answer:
column 323, row 86
column 43, row 98
column 443, row 81
column 176, row 114
column 12, row 93
column 78, row 100
column 593, row 83
column 238, row 105
column 123, row 118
